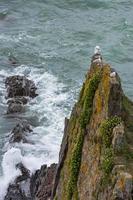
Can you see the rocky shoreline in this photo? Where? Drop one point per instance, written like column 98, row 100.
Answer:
column 27, row 186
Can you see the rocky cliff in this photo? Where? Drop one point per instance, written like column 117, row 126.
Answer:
column 96, row 156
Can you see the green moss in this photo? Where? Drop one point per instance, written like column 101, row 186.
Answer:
column 107, row 164
column 107, row 128
column 81, row 93
column 75, row 166
column 88, row 101
column 76, row 195
column 108, row 161
column 75, row 161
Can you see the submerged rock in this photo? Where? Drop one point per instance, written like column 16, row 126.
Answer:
column 3, row 14
column 20, row 86
column 20, row 132
column 13, row 61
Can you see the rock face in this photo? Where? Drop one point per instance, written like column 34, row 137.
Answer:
column 37, row 186
column 15, row 193
column 42, row 182
column 96, row 156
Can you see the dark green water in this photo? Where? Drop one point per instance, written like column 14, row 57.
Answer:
column 54, row 41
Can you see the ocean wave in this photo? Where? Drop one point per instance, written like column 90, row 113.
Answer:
column 45, row 140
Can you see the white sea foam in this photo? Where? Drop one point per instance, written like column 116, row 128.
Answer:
column 48, row 108
column 10, row 159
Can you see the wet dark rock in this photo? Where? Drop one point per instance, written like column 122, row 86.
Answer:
column 21, row 100
column 15, row 107
column 42, row 182
column 20, row 189
column 14, row 192
column 20, row 131
column 20, row 86
column 37, row 187
column 25, row 173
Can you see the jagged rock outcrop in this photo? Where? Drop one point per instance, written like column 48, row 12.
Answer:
column 20, row 132
column 96, row 156
column 19, row 88
column 20, row 189
column 42, row 182
column 37, row 186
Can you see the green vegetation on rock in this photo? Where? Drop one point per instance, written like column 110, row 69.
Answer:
column 108, row 161
column 107, row 128
column 88, row 102
column 75, row 166
column 84, row 120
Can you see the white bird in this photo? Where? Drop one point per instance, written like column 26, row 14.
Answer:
column 97, row 50
column 113, row 74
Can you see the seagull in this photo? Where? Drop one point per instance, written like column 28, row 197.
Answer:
column 113, row 74
column 97, row 58
column 97, row 50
